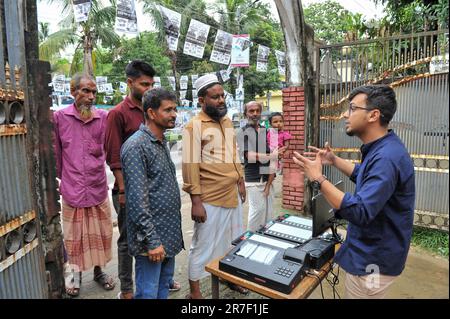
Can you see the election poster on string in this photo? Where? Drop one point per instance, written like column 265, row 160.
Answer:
column 172, row 23
column 196, row 37
column 221, row 52
column 262, row 59
column 81, row 10
column 240, row 53
column 126, row 19
column 281, row 62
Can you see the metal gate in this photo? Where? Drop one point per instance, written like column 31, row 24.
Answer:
column 22, row 270
column 416, row 66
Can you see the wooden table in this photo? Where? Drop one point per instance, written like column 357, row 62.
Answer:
column 302, row 291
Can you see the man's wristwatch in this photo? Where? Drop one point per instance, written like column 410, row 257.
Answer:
column 318, row 182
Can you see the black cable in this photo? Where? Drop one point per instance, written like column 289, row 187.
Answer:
column 318, row 279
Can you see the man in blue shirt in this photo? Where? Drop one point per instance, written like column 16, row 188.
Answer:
column 381, row 211
column 152, row 198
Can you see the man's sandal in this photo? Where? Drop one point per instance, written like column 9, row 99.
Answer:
column 72, row 284
column 106, row 281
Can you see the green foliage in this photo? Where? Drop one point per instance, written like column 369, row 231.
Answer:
column 96, row 32
column 143, row 47
column 330, row 20
column 430, row 239
column 409, row 16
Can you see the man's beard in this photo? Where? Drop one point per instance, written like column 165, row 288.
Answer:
column 137, row 96
column 85, row 112
column 215, row 113
column 254, row 121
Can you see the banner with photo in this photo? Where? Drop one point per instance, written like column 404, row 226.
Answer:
column 224, row 75
column 123, row 87
column 281, row 62
column 194, row 94
column 59, row 82
column 101, row 82
column 221, row 52
column 81, row 10
column 172, row 24
column 194, row 78
column 126, row 19
column 184, row 79
column 240, row 53
column 183, row 95
column 109, row 88
column 172, row 83
column 196, row 37
column 157, row 83
column 262, row 60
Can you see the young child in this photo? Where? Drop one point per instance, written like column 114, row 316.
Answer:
column 276, row 136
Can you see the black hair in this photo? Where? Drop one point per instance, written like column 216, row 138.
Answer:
column 152, row 99
column 380, row 97
column 272, row 115
column 137, row 68
column 202, row 92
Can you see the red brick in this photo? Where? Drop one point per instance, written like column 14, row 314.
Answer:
column 288, row 206
column 297, row 113
column 289, row 99
column 297, row 93
column 297, row 104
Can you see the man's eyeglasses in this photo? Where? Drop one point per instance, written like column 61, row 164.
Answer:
column 352, row 108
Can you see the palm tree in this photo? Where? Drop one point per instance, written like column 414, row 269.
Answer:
column 97, row 31
column 44, row 31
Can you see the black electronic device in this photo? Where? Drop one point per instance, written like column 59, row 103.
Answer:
column 319, row 250
column 260, row 259
column 322, row 212
column 287, row 227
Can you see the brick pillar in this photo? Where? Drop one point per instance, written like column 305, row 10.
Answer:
column 294, row 123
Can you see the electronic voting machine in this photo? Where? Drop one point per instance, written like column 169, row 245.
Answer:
column 261, row 259
column 291, row 228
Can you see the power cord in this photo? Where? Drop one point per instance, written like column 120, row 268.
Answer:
column 334, row 282
column 311, row 274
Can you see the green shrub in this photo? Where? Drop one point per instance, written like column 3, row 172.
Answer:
column 432, row 240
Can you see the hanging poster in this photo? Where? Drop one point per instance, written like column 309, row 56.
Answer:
column 59, row 82
column 109, row 88
column 157, row 83
column 221, row 52
column 262, row 60
column 123, row 87
column 240, row 54
column 194, row 94
column 194, row 78
column 172, row 24
column 224, row 75
column 281, row 62
column 184, row 82
column 101, row 83
column 196, row 37
column 183, row 95
column 126, row 19
column 239, row 94
column 172, row 82
column 81, row 10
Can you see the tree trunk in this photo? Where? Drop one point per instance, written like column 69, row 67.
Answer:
column 87, row 56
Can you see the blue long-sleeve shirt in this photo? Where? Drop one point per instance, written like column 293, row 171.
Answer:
column 152, row 195
column 380, row 212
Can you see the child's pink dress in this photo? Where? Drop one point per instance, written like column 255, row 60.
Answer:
column 278, row 139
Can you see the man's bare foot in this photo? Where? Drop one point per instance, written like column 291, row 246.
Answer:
column 125, row 295
column 194, row 296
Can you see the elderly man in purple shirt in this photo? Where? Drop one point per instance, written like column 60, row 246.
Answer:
column 80, row 163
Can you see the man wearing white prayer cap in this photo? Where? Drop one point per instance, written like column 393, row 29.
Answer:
column 214, row 178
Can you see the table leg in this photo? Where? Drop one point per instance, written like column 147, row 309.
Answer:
column 214, row 287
